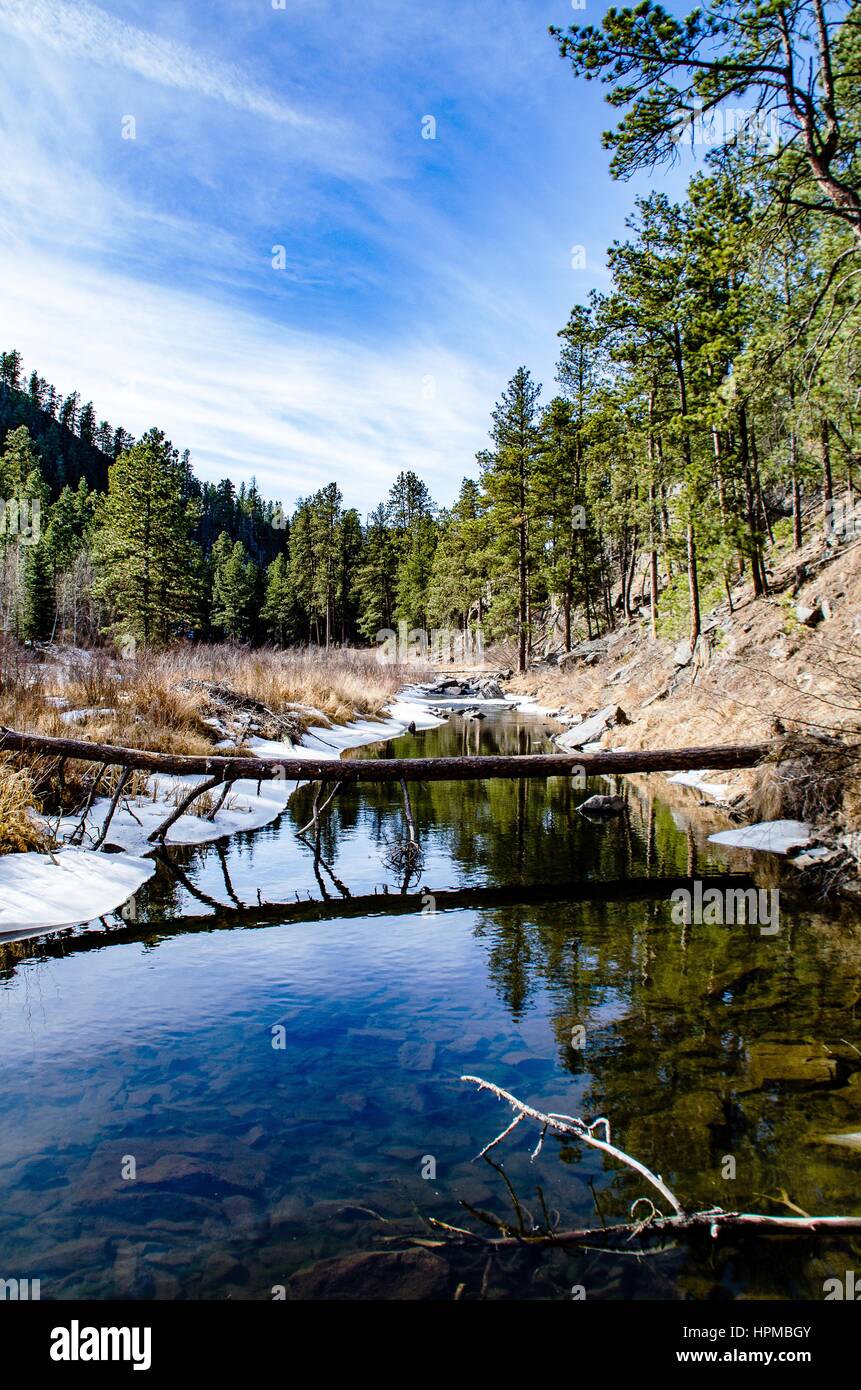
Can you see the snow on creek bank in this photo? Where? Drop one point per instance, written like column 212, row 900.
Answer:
column 74, row 885
column 773, row 836
column 249, row 806
column 77, row 884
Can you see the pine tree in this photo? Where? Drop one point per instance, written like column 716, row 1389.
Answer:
column 23, row 512
column 508, row 476
column 349, row 548
column 278, row 613
column 457, row 587
column 325, row 520
column 36, row 606
column 148, row 567
column 233, row 588
column 376, row 577
column 414, row 571
column 409, row 499
column 793, row 67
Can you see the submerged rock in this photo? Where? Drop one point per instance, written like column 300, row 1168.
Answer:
column 379, row 1274
column 603, row 806
column 799, row 1063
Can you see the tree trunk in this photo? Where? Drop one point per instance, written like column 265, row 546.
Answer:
column 653, row 548
column 760, row 585
column 463, row 769
column 523, row 615
column 693, row 585
column 827, row 479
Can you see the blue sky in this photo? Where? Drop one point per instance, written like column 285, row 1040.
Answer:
column 417, row 273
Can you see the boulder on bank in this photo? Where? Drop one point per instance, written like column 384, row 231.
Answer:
column 488, row 688
column 586, row 653
column 809, row 614
column 491, row 690
column 591, row 729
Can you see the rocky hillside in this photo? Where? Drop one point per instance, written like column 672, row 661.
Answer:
column 785, row 666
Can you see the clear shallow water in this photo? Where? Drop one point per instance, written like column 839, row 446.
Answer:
column 153, row 1041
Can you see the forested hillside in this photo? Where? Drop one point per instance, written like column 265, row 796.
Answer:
column 699, row 402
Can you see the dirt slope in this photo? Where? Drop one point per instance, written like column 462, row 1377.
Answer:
column 760, row 671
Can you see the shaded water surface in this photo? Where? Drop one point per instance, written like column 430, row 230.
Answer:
column 149, row 1049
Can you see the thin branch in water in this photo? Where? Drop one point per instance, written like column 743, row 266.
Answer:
column 579, row 1129
column 77, row 835
column 318, row 812
column 121, row 785
column 715, row 1219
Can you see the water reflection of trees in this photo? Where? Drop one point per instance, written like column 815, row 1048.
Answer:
column 678, row 1022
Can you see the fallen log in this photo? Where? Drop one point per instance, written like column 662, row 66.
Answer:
column 465, row 769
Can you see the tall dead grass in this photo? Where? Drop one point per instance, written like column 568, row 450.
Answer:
column 141, row 703
column 18, row 830
column 343, row 684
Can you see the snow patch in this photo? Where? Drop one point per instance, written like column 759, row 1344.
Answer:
column 77, row 716
column 528, row 704
column 772, row 836
column 716, row 791
column 249, row 806
column 411, row 710
column 329, row 743
column 75, row 886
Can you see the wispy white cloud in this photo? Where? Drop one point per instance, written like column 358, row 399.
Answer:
column 77, row 28
column 246, row 395
column 139, row 272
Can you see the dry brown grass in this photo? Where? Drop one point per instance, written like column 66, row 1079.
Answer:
column 18, row 831
column 139, row 703
column 342, row 684
column 814, row 779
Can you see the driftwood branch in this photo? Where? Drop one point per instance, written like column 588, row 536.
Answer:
column 712, row 1221
column 577, row 1129
column 180, row 809
column 466, row 769
column 115, row 801
column 715, row 1219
